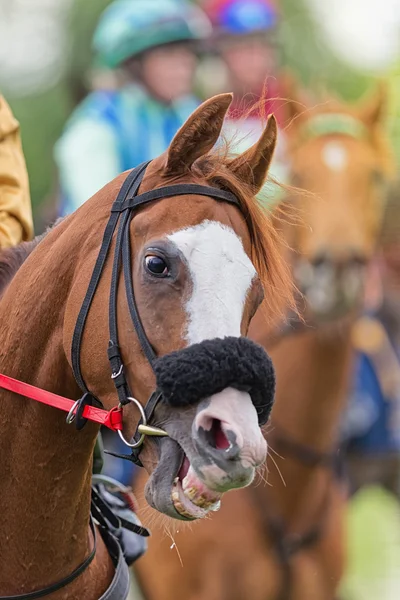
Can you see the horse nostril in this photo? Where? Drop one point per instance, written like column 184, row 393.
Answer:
column 358, row 261
column 210, row 430
column 217, row 437
column 321, row 259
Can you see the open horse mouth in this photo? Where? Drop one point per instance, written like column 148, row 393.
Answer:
column 212, row 448
column 175, row 489
column 191, row 498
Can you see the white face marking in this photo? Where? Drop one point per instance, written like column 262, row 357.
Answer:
column 335, row 156
column 221, row 275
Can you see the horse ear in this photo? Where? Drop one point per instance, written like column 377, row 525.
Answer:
column 253, row 164
column 372, row 109
column 197, row 135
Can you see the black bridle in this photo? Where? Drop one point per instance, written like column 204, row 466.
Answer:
column 126, row 203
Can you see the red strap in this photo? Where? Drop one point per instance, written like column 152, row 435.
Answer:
column 111, row 419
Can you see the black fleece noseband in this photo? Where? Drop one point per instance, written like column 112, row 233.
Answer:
column 198, row 371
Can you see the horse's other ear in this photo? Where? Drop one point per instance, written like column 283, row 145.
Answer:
column 197, row 135
column 252, row 165
column 371, row 110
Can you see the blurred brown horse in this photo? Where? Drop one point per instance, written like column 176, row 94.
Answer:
column 285, row 541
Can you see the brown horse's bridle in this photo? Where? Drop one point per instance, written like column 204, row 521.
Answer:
column 89, row 407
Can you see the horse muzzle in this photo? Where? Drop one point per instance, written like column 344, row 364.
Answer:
column 227, row 386
column 331, row 290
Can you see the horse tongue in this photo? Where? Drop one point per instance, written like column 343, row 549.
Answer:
column 184, row 469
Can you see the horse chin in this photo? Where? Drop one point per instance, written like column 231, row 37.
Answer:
column 175, row 490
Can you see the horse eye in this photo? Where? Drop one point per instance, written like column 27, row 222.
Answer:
column 156, row 265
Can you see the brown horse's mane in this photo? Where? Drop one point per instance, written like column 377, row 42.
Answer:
column 11, row 259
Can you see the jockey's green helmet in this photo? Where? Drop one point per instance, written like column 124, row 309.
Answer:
column 129, row 27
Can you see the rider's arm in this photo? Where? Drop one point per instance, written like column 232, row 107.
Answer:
column 87, row 157
column 15, row 203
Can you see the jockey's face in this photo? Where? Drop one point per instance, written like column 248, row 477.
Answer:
column 168, row 71
column 250, row 60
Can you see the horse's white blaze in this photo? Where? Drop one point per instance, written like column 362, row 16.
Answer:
column 221, row 274
column 335, row 156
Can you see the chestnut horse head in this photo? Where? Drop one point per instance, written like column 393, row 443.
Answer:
column 338, row 153
column 200, row 267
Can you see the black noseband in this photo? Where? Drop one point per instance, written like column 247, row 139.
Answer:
column 198, row 371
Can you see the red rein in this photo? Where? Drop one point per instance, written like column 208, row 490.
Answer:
column 111, row 419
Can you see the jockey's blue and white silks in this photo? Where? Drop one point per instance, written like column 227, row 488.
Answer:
column 110, row 132
column 372, row 420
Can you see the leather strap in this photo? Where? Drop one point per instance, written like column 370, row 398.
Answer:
column 302, row 453
column 111, row 419
column 132, row 178
column 130, row 295
column 179, row 189
column 122, row 210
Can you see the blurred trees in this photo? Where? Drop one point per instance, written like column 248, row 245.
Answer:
column 42, row 115
column 305, row 52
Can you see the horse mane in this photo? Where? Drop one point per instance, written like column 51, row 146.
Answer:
column 11, row 259
column 267, row 255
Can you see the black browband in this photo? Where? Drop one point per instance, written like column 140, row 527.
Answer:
column 122, row 210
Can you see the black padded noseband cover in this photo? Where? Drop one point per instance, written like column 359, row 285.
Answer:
column 187, row 376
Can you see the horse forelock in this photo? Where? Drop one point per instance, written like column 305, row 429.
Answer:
column 266, row 250
column 371, row 134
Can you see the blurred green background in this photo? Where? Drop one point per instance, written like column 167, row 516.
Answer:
column 43, row 113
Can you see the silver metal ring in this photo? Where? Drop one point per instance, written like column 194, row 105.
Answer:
column 144, row 422
column 70, row 418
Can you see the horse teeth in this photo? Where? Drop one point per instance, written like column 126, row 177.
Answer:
column 198, row 499
column 190, row 493
column 195, row 498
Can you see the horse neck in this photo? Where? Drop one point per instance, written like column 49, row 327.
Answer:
column 313, row 372
column 46, row 465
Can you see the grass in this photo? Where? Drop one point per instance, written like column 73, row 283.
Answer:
column 373, row 522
